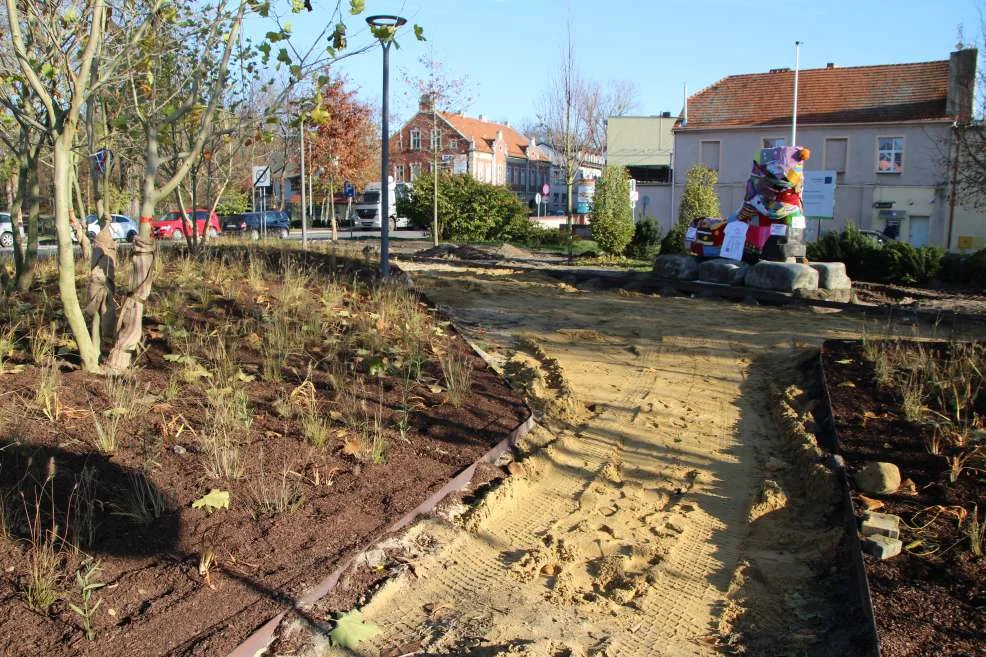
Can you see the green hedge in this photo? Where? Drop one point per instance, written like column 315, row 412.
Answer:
column 897, row 262
column 468, row 210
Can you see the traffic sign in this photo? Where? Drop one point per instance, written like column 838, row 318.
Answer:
column 261, row 176
column 348, row 190
column 537, row 199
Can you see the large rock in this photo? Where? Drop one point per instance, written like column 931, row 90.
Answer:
column 723, row 271
column 877, row 478
column 832, row 275
column 841, row 296
column 676, row 267
column 782, row 276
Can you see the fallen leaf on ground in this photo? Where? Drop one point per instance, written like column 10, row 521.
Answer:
column 350, row 629
column 870, row 503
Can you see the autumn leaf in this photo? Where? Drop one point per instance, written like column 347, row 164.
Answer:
column 419, row 33
column 350, row 629
column 357, row 6
column 215, row 499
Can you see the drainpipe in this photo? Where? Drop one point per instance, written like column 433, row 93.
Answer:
column 955, row 174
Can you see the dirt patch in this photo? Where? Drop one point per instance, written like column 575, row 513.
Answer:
column 628, row 528
column 181, row 580
column 930, row 599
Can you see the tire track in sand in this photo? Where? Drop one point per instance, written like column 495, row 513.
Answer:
column 620, row 536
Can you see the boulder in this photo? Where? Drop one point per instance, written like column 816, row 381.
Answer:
column 877, row 478
column 782, row 276
column 832, row 275
column 722, row 271
column 676, row 267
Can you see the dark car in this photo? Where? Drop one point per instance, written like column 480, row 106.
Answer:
column 256, row 224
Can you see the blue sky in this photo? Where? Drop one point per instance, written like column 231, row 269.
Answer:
column 510, row 48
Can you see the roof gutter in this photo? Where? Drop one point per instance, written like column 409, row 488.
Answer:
column 787, row 125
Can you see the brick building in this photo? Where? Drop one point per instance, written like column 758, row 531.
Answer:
column 490, row 152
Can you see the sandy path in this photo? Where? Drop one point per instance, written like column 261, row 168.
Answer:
column 625, row 526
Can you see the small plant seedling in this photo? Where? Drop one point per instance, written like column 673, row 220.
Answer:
column 975, row 531
column 207, row 557
column 213, row 500
column 85, row 579
column 350, row 629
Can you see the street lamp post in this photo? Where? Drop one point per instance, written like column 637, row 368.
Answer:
column 304, row 205
column 386, row 37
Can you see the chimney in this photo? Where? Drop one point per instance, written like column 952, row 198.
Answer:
column 506, row 123
column 830, row 65
column 499, row 135
column 665, row 115
column 961, row 83
column 482, row 117
column 424, row 103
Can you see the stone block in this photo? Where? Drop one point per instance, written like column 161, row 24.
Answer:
column 782, row 276
column 832, row 275
column 882, row 524
column 722, row 271
column 881, row 547
column 676, row 267
column 877, row 478
column 840, row 296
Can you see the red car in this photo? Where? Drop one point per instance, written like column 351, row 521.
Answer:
column 174, row 226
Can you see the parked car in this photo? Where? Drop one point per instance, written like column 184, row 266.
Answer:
column 121, row 228
column 172, row 225
column 7, row 231
column 255, row 224
column 877, row 236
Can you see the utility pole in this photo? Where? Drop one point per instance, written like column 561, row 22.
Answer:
column 794, row 109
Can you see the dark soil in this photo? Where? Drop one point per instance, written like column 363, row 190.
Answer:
column 931, row 599
column 155, row 601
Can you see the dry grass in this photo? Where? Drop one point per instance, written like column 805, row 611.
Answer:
column 457, row 372
column 140, row 501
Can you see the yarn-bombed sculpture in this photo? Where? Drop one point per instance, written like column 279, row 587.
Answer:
column 770, row 224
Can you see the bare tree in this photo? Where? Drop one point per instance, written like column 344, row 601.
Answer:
column 570, row 117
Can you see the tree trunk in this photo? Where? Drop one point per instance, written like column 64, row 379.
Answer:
column 26, row 277
column 332, row 212
column 88, row 352
column 20, row 184
column 100, row 306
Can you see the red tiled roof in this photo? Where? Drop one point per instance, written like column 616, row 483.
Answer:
column 483, row 133
column 859, row 94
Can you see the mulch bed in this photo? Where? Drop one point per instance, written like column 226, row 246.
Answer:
column 155, row 601
column 931, row 599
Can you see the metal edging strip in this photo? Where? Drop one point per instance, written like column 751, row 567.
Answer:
column 262, row 637
column 849, row 514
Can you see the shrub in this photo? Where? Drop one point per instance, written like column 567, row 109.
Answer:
column 468, row 210
column 699, row 199
column 233, row 201
column 866, row 260
column 612, row 215
column 646, row 242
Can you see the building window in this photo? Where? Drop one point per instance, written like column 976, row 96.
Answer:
column 399, row 172
column 890, row 154
column 523, row 177
column 773, row 142
column 499, row 174
column 710, row 154
column 415, row 171
column 453, row 144
column 836, row 153
column 415, row 140
column 436, row 139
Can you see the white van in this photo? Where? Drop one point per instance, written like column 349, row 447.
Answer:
column 368, row 208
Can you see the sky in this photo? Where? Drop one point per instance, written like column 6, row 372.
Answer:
column 510, row 49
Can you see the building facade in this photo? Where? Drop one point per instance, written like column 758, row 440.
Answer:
column 886, row 131
column 490, row 152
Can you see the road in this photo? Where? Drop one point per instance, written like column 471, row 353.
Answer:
column 314, row 234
